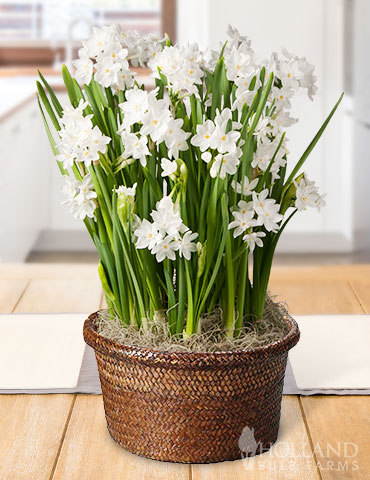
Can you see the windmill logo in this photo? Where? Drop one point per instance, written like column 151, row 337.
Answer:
column 248, row 447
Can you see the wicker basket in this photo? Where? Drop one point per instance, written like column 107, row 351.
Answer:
column 192, row 407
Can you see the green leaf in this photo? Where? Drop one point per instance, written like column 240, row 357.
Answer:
column 58, row 107
column 68, row 82
column 47, row 105
column 310, row 147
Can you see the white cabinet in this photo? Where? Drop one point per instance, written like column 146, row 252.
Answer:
column 23, row 182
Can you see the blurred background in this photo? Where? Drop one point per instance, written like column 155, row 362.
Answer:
column 334, row 35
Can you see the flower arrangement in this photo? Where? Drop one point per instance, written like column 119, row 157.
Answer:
column 181, row 187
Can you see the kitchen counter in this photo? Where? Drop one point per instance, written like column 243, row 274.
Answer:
column 18, row 91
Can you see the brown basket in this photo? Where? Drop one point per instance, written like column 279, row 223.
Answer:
column 192, row 407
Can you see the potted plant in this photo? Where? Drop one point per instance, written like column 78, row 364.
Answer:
column 185, row 192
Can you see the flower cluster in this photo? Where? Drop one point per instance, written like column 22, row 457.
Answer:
column 155, row 121
column 80, row 196
column 181, row 66
column 166, row 234
column 261, row 211
column 80, row 140
column 108, row 52
column 307, row 195
column 224, row 143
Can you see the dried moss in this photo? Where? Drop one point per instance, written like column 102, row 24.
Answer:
column 210, row 336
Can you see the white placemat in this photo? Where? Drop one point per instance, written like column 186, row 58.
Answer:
column 333, row 352
column 41, row 351
column 46, row 354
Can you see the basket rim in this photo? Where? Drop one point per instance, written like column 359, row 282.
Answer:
column 106, row 346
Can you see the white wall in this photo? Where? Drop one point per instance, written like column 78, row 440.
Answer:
column 312, row 29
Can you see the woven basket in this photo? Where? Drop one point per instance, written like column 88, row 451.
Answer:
column 192, row 407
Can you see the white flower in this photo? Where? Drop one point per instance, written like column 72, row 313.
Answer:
column 98, row 39
column 187, row 246
column 253, row 239
column 243, row 220
column 244, row 97
column 289, row 74
column 263, row 155
column 167, row 217
column 224, row 142
column 125, row 79
column 127, row 191
column 206, row 157
column 282, row 96
column 135, row 147
column 107, row 72
column 267, row 210
column 224, row 164
column 116, row 55
column 239, row 63
column 80, row 141
column 245, row 187
column 262, row 127
column 168, row 167
column 84, row 66
column 135, row 106
column 155, row 121
column 166, row 249
column 147, row 235
column 202, row 139
column 69, row 188
column 80, row 197
column 181, row 66
column 140, row 47
column 175, row 138
column 308, row 195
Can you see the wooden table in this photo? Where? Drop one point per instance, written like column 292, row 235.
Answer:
column 65, row 437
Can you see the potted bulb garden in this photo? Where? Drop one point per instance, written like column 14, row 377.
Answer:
column 185, row 190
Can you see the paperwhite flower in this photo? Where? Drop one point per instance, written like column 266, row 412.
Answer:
column 224, row 164
column 107, row 72
column 289, row 74
column 135, row 106
column 282, row 96
column 155, row 121
column 84, row 66
column 206, row 157
column 98, row 39
column 167, row 217
column 262, row 127
column 267, row 210
column 168, row 167
column 80, row 141
column 245, row 187
column 166, row 248
column 253, row 239
column 202, row 139
column 243, row 220
column 239, row 63
column 187, row 246
column 135, row 147
column 224, row 142
column 125, row 79
column 308, row 195
column 175, row 137
column 181, row 67
column 147, row 235
column 263, row 155
column 80, row 197
column 127, row 191
column 244, row 97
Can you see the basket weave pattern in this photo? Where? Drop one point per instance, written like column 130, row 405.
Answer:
column 191, row 407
